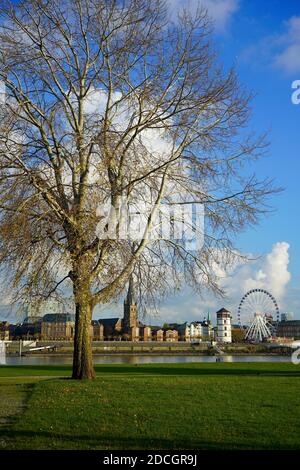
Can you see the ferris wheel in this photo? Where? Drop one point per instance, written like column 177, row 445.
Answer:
column 256, row 309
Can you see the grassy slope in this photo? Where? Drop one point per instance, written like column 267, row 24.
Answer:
column 203, row 406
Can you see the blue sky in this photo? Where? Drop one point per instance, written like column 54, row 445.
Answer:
column 262, row 39
column 254, row 29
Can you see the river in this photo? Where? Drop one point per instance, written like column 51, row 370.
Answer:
column 141, row 359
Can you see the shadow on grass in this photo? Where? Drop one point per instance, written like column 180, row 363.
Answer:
column 44, row 440
column 214, row 369
column 185, row 371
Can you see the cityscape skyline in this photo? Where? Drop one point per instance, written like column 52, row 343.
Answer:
column 262, row 39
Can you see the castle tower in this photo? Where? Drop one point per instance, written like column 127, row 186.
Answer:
column 224, row 326
column 130, row 309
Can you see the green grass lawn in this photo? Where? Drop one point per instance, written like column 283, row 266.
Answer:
column 190, row 406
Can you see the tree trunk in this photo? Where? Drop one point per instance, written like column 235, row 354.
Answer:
column 82, row 358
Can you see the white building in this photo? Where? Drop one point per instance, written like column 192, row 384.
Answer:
column 224, row 326
column 193, row 331
column 198, row 331
column 207, row 330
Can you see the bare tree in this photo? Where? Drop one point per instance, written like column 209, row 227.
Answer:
column 106, row 101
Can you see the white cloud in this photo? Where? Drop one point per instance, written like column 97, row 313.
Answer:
column 289, row 60
column 288, row 57
column 279, row 50
column 221, row 11
column 154, row 139
column 270, row 272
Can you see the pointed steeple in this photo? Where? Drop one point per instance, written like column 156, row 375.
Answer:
column 130, row 298
column 130, row 308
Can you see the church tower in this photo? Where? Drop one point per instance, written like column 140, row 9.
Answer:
column 130, row 308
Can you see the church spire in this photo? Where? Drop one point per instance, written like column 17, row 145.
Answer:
column 130, row 308
column 130, row 298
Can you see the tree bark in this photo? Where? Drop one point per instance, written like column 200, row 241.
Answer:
column 83, row 358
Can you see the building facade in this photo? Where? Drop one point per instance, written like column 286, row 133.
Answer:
column 171, row 336
column 199, row 331
column 193, row 332
column 30, row 329
column 4, row 331
column 159, row 335
column 98, row 330
column 147, row 333
column 289, row 329
column 179, row 327
column 207, row 330
column 111, row 327
column 58, row 326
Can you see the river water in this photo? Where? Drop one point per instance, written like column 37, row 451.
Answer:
column 142, row 359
